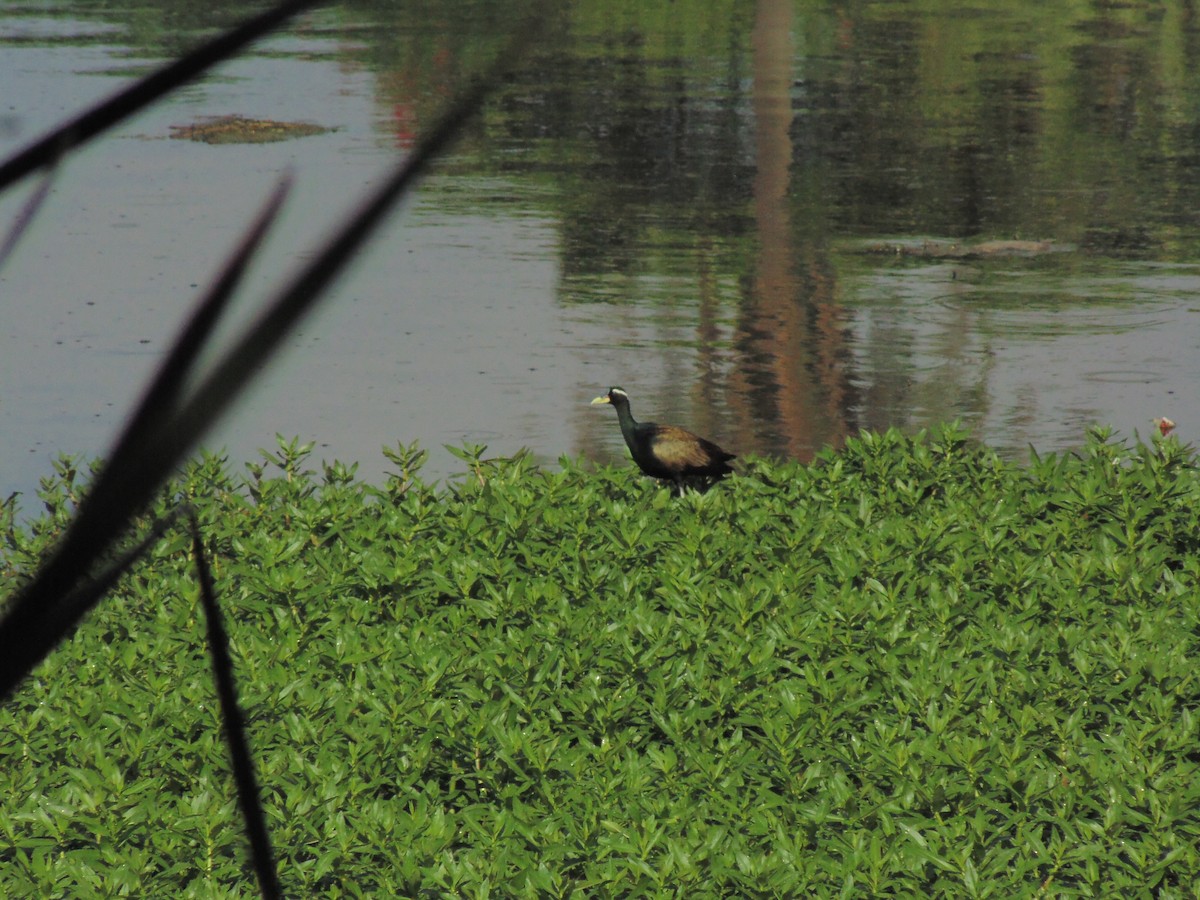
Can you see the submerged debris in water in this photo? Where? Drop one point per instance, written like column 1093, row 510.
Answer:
column 240, row 130
column 948, row 249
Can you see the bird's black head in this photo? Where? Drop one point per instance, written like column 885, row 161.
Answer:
column 615, row 396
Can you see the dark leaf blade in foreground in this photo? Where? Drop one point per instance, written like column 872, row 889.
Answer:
column 25, row 217
column 233, row 371
column 162, row 397
column 145, row 91
column 35, row 622
column 74, row 604
column 235, row 724
column 24, row 632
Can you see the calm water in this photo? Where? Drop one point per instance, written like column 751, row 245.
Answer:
column 757, row 218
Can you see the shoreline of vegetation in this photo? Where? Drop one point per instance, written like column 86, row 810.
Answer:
column 911, row 668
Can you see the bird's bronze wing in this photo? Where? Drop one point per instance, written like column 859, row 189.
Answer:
column 678, row 448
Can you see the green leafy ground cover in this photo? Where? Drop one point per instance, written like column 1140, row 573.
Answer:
column 910, row 670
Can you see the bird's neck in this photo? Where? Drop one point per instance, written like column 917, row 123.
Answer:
column 628, row 425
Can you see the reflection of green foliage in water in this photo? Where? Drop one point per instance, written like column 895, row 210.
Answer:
column 1019, row 121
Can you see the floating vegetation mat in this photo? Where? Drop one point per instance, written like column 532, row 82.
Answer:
column 240, row 130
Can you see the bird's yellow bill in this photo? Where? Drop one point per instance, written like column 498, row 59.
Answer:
column 600, row 400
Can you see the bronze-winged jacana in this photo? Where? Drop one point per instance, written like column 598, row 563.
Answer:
column 667, row 451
